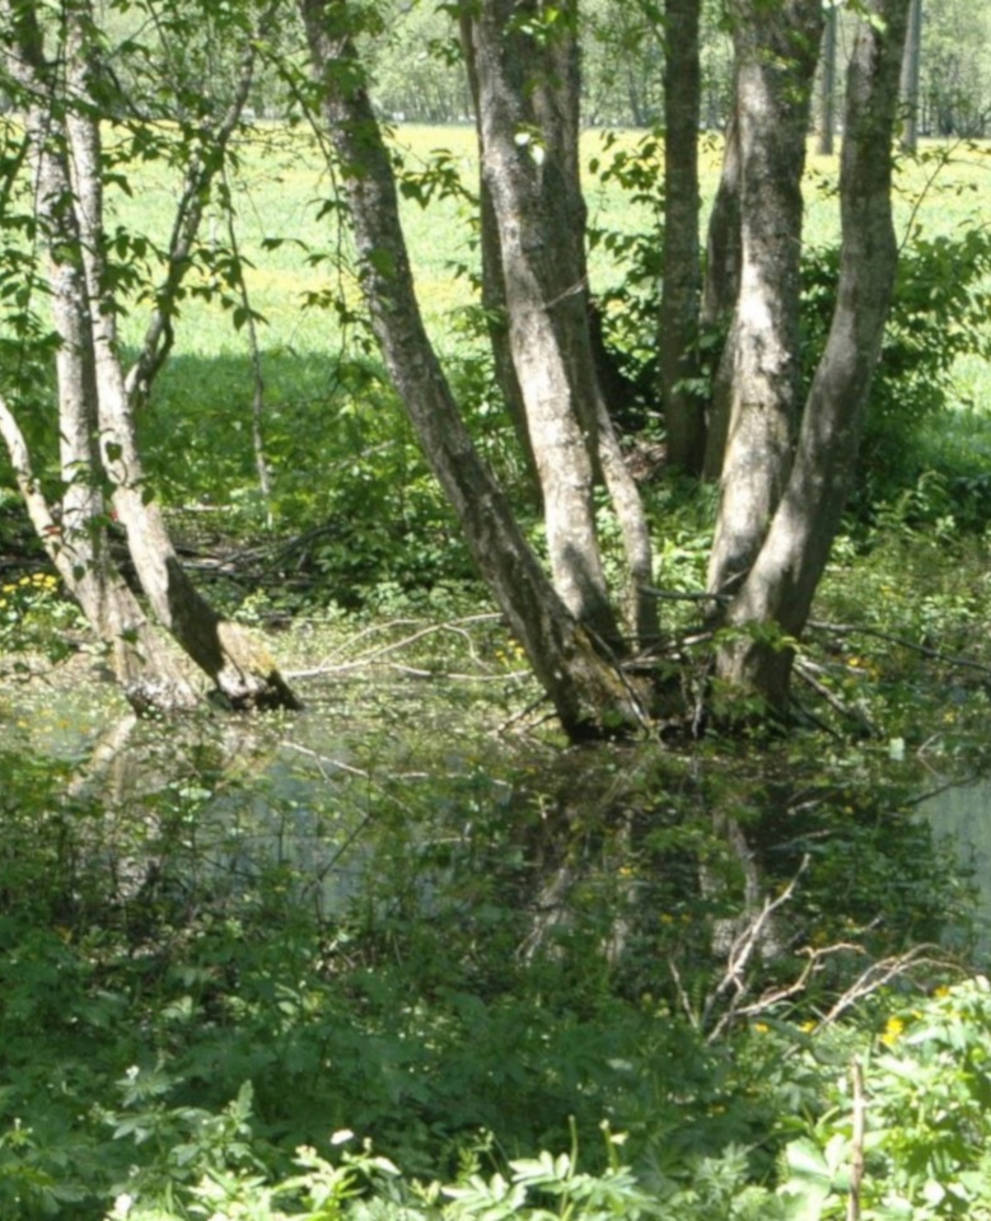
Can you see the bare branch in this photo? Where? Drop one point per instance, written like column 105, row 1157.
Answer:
column 844, row 629
column 740, row 953
column 366, row 659
column 881, row 973
column 804, row 671
column 201, row 171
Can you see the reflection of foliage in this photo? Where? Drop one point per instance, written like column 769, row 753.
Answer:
column 416, row 935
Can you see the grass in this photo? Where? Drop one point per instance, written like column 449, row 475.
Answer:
column 282, row 181
column 338, row 445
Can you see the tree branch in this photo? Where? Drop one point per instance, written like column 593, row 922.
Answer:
column 200, row 173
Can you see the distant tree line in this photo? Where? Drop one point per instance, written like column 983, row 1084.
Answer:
column 418, row 76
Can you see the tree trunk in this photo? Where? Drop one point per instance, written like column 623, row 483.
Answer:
column 719, row 292
column 782, row 582
column 684, row 406
column 776, row 53
column 493, row 284
column 528, row 91
column 242, row 671
column 827, row 84
column 150, row 673
column 910, row 78
column 535, row 214
column 588, row 691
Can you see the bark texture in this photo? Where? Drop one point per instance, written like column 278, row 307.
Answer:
column 781, row 584
column 494, row 284
column 242, row 671
column 150, row 672
column 684, row 406
column 776, row 50
column 910, row 78
column 528, row 116
column 721, row 286
column 827, row 84
column 586, row 687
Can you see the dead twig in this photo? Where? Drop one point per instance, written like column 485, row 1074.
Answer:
column 364, row 660
column 857, row 1142
column 879, row 974
column 804, row 671
column 740, row 954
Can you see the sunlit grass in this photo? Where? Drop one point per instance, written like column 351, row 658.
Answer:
column 282, row 182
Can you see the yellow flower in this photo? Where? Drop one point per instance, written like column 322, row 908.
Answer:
column 892, row 1030
column 761, row 1027
column 941, row 991
column 808, row 1026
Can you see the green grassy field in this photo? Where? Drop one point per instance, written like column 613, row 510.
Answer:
column 340, row 450
column 283, row 181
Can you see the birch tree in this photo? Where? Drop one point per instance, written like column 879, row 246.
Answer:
column 786, row 464
column 56, row 69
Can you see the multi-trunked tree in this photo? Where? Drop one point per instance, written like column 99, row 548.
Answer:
column 785, row 458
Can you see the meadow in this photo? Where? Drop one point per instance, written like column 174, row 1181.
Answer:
column 326, row 416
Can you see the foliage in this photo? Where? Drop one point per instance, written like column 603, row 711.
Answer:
column 939, row 313
column 34, row 616
column 400, row 929
column 926, row 1138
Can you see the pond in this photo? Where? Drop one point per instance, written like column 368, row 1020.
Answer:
column 402, row 913
column 392, row 776
column 960, row 816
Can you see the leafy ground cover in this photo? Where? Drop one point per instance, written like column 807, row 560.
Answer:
column 409, row 913
column 223, row 948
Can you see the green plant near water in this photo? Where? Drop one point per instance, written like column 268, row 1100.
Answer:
column 155, row 957
column 33, row 615
column 923, row 1149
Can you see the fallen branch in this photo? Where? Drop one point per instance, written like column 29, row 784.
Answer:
column 846, row 629
column 804, row 671
column 363, row 660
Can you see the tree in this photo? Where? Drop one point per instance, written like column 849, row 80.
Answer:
column 954, row 93
column 772, row 565
column 679, row 319
column 827, row 84
column 776, row 49
column 58, row 70
column 787, row 465
column 572, row 657
column 910, row 77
